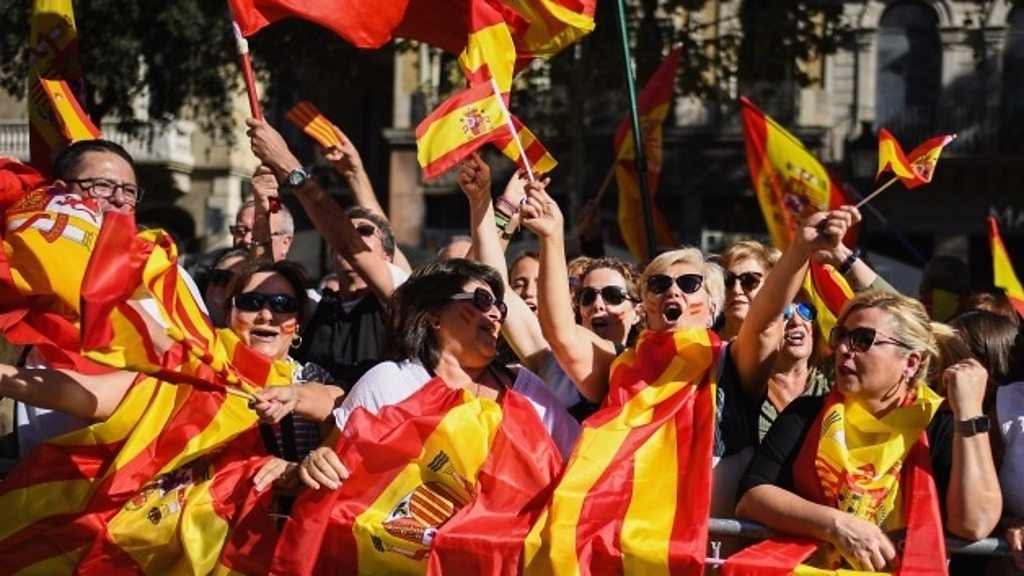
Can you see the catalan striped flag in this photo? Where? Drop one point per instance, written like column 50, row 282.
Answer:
column 1002, row 268
column 53, row 42
column 541, row 161
column 912, row 169
column 635, row 495
column 458, row 127
column 308, row 118
column 75, row 124
column 791, row 184
column 654, row 102
column 441, row 483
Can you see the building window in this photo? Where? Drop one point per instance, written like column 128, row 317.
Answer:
column 909, row 71
column 1012, row 97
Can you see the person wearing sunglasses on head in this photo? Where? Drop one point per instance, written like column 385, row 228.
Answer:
column 447, row 317
column 876, row 456
column 746, row 264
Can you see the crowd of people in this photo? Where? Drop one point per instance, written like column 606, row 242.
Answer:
column 900, row 423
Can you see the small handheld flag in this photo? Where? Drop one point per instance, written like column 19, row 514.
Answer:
column 310, row 120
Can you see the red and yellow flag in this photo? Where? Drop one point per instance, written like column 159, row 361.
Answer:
column 912, row 169
column 653, row 105
column 895, row 489
column 1002, row 268
column 636, row 492
column 47, row 240
column 791, row 184
column 310, row 120
column 53, row 48
column 490, row 51
column 552, row 24
column 363, row 23
column 75, row 124
column 541, row 161
column 441, row 483
column 458, row 127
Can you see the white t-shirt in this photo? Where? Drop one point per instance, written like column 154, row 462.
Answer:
column 391, row 382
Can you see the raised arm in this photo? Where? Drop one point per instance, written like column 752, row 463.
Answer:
column 346, row 161
column 264, row 188
column 521, row 328
column 327, row 215
column 762, row 331
column 585, row 356
column 93, row 397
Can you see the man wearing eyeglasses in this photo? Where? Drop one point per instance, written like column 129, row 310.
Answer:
column 282, row 229
column 101, row 170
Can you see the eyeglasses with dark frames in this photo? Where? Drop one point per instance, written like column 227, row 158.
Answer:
column 256, row 301
column 688, row 283
column 861, row 339
column 748, row 280
column 105, row 188
column 804, row 310
column 239, row 231
column 483, row 301
column 612, row 295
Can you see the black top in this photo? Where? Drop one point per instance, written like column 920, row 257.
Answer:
column 773, row 461
column 346, row 344
column 736, row 414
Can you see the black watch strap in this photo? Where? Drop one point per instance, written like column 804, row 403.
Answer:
column 973, row 426
column 295, row 179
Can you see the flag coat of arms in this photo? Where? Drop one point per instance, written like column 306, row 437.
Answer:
column 441, row 483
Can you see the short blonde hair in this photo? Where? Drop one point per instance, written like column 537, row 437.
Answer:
column 714, row 278
column 911, row 324
column 742, row 250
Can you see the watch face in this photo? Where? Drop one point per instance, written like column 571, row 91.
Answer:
column 296, row 178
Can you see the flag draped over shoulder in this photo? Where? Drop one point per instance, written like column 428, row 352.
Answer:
column 53, row 45
column 47, row 240
column 1002, row 268
column 878, row 469
column 636, row 492
column 912, row 169
column 653, row 105
column 441, row 483
column 790, row 184
column 164, row 484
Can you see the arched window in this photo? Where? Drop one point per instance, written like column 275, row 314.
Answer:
column 909, row 71
column 1012, row 97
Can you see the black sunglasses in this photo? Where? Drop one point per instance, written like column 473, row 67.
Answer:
column 220, row 277
column 256, row 301
column 806, row 311
column 483, row 300
column 748, row 280
column 860, row 339
column 688, row 283
column 612, row 295
column 366, row 230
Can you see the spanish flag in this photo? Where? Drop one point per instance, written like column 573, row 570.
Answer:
column 458, row 127
column 912, row 169
column 47, row 241
column 552, row 24
column 1002, row 268
column 490, row 52
column 441, row 483
column 791, row 184
column 53, row 41
column 636, row 492
column 654, row 103
column 75, row 124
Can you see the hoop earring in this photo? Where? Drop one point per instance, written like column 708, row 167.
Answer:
column 296, row 342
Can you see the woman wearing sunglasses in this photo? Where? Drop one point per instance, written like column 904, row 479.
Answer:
column 851, row 471
column 447, row 317
column 746, row 264
column 606, row 300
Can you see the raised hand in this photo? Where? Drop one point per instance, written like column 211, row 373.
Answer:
column 345, row 158
column 475, row 178
column 965, row 383
column 540, row 213
column 269, row 146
